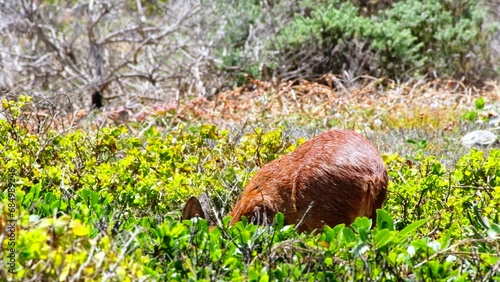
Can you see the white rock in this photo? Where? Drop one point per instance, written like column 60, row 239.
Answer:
column 494, row 122
column 479, row 137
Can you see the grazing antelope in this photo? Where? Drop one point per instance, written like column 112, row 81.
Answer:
column 330, row 179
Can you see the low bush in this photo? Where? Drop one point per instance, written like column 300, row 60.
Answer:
column 104, row 203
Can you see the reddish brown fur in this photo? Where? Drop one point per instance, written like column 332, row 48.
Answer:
column 330, row 179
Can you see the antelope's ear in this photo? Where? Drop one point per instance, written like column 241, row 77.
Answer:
column 192, row 209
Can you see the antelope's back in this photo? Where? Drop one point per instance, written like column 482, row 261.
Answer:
column 331, row 179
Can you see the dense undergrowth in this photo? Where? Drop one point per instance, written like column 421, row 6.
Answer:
column 409, row 38
column 103, row 204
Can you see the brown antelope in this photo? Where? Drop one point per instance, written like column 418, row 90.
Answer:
column 331, row 179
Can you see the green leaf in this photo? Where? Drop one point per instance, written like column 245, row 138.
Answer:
column 412, row 227
column 445, row 239
column 279, row 220
column 470, row 115
column 348, row 235
column 85, row 194
column 328, row 261
column 494, row 230
column 479, row 218
column 479, row 103
column 79, row 229
column 382, row 238
column 384, row 220
column 94, row 198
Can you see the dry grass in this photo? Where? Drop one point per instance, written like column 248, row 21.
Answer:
column 388, row 113
column 432, row 104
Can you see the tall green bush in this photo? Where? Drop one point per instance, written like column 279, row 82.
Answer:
column 422, row 37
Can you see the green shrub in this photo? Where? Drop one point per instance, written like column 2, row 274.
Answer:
column 424, row 37
column 424, row 188
column 89, row 204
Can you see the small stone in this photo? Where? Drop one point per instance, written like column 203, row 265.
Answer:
column 479, row 138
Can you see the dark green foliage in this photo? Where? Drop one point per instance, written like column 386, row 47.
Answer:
column 423, row 37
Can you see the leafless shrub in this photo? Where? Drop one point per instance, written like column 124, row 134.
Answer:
column 100, row 47
column 105, row 52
